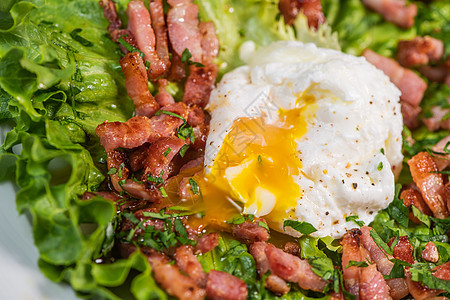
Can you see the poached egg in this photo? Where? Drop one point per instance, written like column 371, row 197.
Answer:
column 303, row 133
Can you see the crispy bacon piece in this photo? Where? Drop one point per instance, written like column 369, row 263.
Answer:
column 139, row 24
column 419, row 291
column 163, row 98
column 117, row 160
column 442, row 160
column 394, row 11
column 430, row 184
column 207, row 242
column 210, row 42
column 106, row 195
column 442, row 271
column 373, row 285
column 436, row 121
column 110, row 13
column 142, row 191
column 312, row 9
column 200, row 84
column 412, row 196
column 419, row 51
column 434, row 73
column 189, row 264
column 224, row 286
column 351, row 252
column 197, row 119
column 251, row 231
column 136, row 82
column 410, row 114
column 157, row 161
column 291, row 268
column 177, row 69
column 408, row 82
column 377, row 255
column 292, row 248
column 430, row 253
column 403, row 250
column 172, row 281
column 277, row 285
column 398, row 288
column 182, row 22
column 258, row 251
column 140, row 130
column 162, row 43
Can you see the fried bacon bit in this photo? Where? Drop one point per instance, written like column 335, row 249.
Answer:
column 117, row 160
column 419, row 291
column 207, row 242
column 373, row 285
column 394, row 11
column 157, row 162
column 410, row 114
column 189, row 264
column 277, row 285
column 403, row 250
column 172, row 281
column 351, row 252
column 291, row 268
column 377, row 255
column 430, row 253
column 419, row 51
column 292, row 248
column 434, row 73
column 163, row 98
column 200, row 84
column 442, row 271
column 408, row 82
column 398, row 288
column 177, row 69
column 162, row 43
column 182, row 22
column 210, row 42
column 442, row 160
column 258, row 251
column 251, row 231
column 312, row 9
column 431, row 185
column 136, row 82
column 437, row 120
column 224, row 286
column 411, row 196
column 110, row 13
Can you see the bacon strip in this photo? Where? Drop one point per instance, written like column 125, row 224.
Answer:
column 419, row 291
column 210, row 42
column 419, row 51
column 442, row 161
column 410, row 114
column 189, row 264
column 136, row 82
column 110, row 13
column 373, row 285
column 163, row 98
column 351, row 252
column 312, row 9
column 258, row 251
column 184, row 33
column 207, row 242
column 403, row 250
column 411, row 196
column 251, row 231
column 199, row 84
column 430, row 184
column 408, row 82
column 162, row 43
column 394, row 11
column 277, row 285
column 172, row 281
column 117, row 159
column 430, row 253
column 436, row 121
column 224, row 286
column 442, row 271
column 291, row 268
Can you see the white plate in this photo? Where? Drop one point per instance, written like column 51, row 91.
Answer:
column 20, row 277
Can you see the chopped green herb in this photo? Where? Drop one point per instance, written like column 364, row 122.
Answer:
column 160, row 112
column 179, row 227
column 355, row 220
column 112, row 171
column 186, row 58
column 121, row 166
column 131, row 217
column 398, row 211
column 163, row 192
column 156, row 179
column 263, row 225
column 361, row 264
column 75, row 35
column 237, row 220
column 302, row 227
column 194, row 186
column 380, row 166
column 259, row 159
column 379, row 242
column 130, row 48
column 167, row 152
column 382, row 151
column 183, row 150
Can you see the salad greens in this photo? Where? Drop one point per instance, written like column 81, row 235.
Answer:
column 60, row 77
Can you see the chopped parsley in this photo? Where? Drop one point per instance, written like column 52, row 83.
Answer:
column 355, row 220
column 186, row 58
column 183, row 150
column 156, row 179
column 302, row 227
column 112, row 171
column 194, row 186
column 380, row 166
column 130, row 48
column 167, row 152
column 163, row 192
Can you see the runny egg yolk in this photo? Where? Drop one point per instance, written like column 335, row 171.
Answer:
column 254, row 170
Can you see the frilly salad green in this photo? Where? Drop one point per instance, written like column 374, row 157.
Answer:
column 60, row 77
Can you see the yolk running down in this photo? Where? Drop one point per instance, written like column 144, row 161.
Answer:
column 254, row 171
